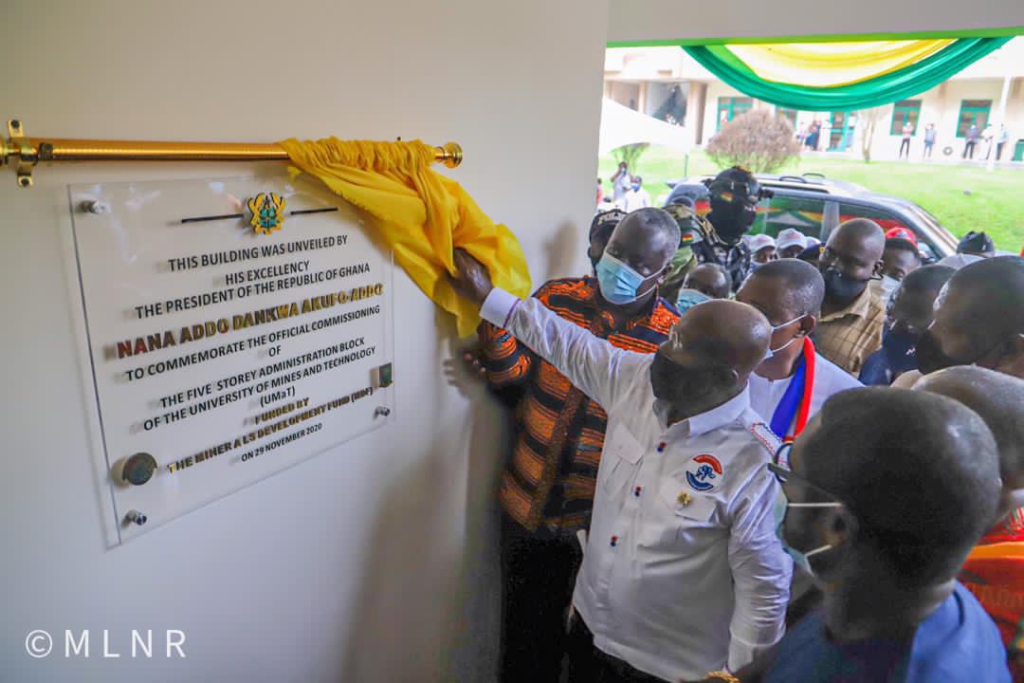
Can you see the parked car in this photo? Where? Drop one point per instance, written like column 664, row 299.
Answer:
column 815, row 205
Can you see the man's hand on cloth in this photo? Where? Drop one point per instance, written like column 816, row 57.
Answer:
column 472, row 281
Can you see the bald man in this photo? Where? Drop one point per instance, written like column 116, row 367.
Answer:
column 884, row 495
column 979, row 319
column 683, row 572
column 852, row 314
column 994, row 571
column 791, row 385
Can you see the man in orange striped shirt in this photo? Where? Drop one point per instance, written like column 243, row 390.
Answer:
column 547, row 488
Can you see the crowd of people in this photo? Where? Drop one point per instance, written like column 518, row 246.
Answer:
column 703, row 488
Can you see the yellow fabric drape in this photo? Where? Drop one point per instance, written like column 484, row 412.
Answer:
column 827, row 65
column 421, row 214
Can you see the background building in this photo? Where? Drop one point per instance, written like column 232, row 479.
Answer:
column 666, row 83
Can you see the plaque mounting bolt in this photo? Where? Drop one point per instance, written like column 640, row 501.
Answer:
column 382, row 411
column 135, row 517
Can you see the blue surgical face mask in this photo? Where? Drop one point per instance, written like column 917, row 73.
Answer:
column 618, row 282
column 636, row 187
column 770, row 353
column 800, row 558
column 688, row 298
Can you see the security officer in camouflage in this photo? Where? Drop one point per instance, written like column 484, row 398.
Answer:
column 718, row 237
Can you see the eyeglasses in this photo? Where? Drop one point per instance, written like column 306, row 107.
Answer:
column 783, row 474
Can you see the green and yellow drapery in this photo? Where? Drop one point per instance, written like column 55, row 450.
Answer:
column 837, row 76
column 420, row 214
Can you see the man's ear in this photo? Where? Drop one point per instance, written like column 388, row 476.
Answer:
column 1012, row 361
column 840, row 527
column 807, row 325
column 877, row 271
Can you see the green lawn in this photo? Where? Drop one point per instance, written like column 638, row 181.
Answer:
column 963, row 198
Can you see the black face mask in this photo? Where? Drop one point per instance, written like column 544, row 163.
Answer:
column 840, row 287
column 680, row 385
column 731, row 220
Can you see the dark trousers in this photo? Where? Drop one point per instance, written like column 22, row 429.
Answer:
column 928, row 149
column 905, row 148
column 539, row 574
column 587, row 664
column 969, row 149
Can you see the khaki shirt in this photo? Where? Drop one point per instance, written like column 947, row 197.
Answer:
column 847, row 337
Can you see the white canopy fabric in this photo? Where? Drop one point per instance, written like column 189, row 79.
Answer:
column 622, row 126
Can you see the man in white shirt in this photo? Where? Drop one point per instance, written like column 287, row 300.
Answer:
column 683, row 572
column 637, row 197
column 790, row 386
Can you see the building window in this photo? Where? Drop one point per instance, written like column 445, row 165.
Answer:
column 731, row 107
column 973, row 112
column 907, row 111
column 841, row 134
column 788, row 114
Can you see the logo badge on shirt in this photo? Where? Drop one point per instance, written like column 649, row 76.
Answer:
column 704, row 473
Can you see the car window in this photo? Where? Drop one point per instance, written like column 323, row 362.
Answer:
column 888, row 221
column 786, row 211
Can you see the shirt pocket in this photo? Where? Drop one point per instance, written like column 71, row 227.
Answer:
column 674, row 512
column 620, row 460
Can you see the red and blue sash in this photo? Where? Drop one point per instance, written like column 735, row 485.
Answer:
column 796, row 402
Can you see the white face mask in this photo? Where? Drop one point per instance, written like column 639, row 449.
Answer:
column 770, row 353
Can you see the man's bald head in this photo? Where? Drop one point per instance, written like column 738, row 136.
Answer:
column 999, row 400
column 979, row 316
column 710, row 279
column 863, row 234
column 721, row 333
column 795, row 286
column 851, row 257
column 919, row 472
column 646, row 240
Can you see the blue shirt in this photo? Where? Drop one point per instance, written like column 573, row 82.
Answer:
column 958, row 642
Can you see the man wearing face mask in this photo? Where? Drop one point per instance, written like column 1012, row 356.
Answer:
column 734, row 194
column 793, row 382
column 994, row 571
column 683, row 572
column 852, row 314
column 883, row 496
column 979, row 319
column 547, row 488
column 909, row 315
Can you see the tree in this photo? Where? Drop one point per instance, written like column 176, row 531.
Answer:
column 756, row 140
column 869, row 119
column 630, row 154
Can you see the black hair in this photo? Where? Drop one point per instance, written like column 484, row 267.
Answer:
column 901, row 244
column 927, row 279
column 919, row 471
column 805, row 288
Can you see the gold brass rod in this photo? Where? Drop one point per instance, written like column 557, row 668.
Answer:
column 58, row 149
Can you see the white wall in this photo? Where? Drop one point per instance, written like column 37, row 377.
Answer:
column 372, row 562
column 652, row 20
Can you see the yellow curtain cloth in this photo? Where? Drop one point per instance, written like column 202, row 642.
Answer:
column 421, row 214
column 827, row 65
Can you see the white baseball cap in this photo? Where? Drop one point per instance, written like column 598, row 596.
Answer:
column 759, row 242
column 791, row 237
